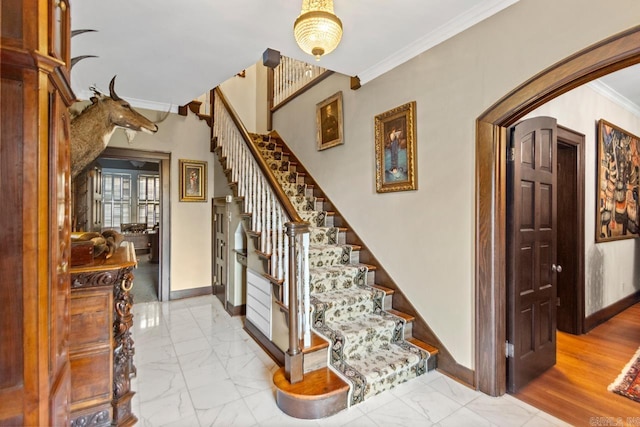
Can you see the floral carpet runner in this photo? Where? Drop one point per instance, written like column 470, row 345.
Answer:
column 367, row 346
column 628, row 382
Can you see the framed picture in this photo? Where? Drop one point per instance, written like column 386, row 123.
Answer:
column 618, row 183
column 329, row 122
column 395, row 135
column 193, row 181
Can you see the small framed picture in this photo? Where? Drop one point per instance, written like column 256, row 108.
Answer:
column 395, row 134
column 329, row 122
column 193, row 181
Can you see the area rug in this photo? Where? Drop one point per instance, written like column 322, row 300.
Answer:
column 628, row 382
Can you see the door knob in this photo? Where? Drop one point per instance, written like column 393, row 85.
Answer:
column 556, row 268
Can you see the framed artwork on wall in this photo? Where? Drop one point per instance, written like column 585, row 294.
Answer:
column 395, row 135
column 618, row 183
column 329, row 122
column 193, row 181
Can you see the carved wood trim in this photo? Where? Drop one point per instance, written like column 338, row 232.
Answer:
column 96, row 419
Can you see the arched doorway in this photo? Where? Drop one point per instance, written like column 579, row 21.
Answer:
column 610, row 55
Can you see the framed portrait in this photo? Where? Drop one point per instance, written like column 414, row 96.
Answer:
column 329, row 122
column 193, row 181
column 395, row 134
column 617, row 213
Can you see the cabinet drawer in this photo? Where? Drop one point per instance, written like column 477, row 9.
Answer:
column 91, row 378
column 91, row 314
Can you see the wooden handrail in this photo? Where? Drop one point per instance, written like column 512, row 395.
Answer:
column 300, row 91
column 262, row 164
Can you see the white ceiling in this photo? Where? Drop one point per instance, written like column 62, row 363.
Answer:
column 622, row 87
column 170, row 52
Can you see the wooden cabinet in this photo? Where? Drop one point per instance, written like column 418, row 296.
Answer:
column 91, row 354
column 35, row 221
column 101, row 347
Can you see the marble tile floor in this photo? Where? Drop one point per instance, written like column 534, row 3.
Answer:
column 198, row 367
column 145, row 280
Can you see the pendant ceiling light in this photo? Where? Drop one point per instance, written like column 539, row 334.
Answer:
column 317, row 30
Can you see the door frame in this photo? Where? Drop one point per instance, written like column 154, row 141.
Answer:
column 609, row 55
column 220, row 202
column 164, row 283
column 576, row 140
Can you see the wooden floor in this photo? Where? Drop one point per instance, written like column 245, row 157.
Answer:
column 575, row 389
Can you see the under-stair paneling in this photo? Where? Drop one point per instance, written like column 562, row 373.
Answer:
column 259, row 302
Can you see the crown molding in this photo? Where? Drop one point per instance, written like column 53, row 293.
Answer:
column 137, row 103
column 444, row 32
column 615, row 96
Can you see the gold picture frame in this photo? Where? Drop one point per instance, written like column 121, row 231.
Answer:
column 395, row 136
column 193, row 181
column 618, row 207
column 329, row 122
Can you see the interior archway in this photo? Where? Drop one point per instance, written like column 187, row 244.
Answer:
column 610, row 55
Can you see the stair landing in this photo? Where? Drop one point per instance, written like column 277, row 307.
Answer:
column 321, row 394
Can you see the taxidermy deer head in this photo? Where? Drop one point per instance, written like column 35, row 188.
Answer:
column 93, row 127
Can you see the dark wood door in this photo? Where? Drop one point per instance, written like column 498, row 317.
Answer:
column 531, row 250
column 568, row 253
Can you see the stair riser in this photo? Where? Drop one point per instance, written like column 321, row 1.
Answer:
column 315, row 360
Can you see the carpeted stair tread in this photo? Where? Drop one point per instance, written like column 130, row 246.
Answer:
column 384, row 361
column 338, row 303
column 324, row 279
column 324, row 235
column 389, row 366
column 329, row 255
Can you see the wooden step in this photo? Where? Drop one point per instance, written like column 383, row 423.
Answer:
column 387, row 291
column 423, row 345
column 317, row 343
column 432, row 363
column 388, row 296
column 407, row 317
column 320, row 394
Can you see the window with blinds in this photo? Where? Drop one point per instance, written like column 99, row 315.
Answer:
column 149, row 199
column 116, row 199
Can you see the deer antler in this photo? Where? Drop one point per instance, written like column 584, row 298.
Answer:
column 112, row 91
column 77, row 59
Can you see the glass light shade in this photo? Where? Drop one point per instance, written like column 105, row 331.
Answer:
column 317, row 30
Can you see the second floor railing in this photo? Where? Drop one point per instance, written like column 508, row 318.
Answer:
column 290, row 76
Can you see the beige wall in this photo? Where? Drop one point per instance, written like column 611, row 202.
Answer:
column 612, row 270
column 425, row 238
column 185, row 138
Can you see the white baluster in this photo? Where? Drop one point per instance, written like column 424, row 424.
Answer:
column 304, row 283
column 269, row 201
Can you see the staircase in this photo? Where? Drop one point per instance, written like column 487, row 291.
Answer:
column 359, row 345
column 367, row 338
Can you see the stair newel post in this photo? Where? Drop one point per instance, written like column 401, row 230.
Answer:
column 294, row 370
